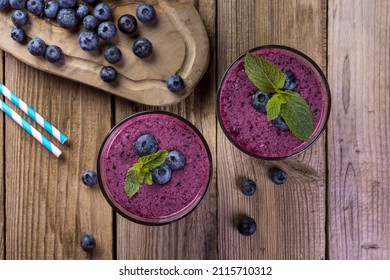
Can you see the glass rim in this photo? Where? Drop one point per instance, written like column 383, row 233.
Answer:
column 116, row 206
column 320, row 129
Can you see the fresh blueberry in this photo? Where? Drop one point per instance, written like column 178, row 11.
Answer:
column 112, row 54
column 19, row 18
column 162, row 174
column 18, row 34
column 259, row 101
column 51, row 9
column 53, row 54
column 127, row 24
column 107, row 30
column 175, row 83
column 67, row 3
column 145, row 13
column 247, row 226
column 89, row 178
column 88, row 40
column 90, row 22
column 3, row 4
column 291, row 82
column 35, row 7
column 87, row 243
column 102, row 12
column 82, row 11
column 175, row 160
column 248, row 187
column 17, row 4
column 145, row 145
column 67, row 18
column 280, row 123
column 142, row 48
column 36, row 46
column 279, row 176
column 108, row 74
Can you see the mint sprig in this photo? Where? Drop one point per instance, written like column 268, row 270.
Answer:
column 265, row 75
column 297, row 115
column 140, row 172
column 290, row 105
column 274, row 105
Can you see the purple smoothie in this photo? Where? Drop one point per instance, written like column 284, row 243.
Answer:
column 249, row 129
column 156, row 204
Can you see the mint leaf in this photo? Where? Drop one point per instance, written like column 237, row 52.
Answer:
column 132, row 182
column 148, row 179
column 273, row 106
column 146, row 176
column 297, row 115
column 143, row 173
column 138, row 166
column 155, row 160
column 140, row 172
column 265, row 75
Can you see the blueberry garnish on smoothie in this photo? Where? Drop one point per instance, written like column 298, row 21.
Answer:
column 283, row 104
column 152, row 166
column 162, row 174
column 175, row 160
column 291, row 82
column 146, row 144
column 280, row 124
column 259, row 101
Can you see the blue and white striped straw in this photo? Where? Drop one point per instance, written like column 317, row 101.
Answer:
column 30, row 129
column 32, row 114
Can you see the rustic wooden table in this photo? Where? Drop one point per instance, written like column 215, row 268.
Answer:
column 334, row 206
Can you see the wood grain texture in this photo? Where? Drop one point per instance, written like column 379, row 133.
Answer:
column 196, row 236
column 290, row 218
column 359, row 164
column 48, row 208
column 2, row 158
column 179, row 40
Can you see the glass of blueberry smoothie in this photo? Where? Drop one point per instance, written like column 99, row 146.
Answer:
column 154, row 167
column 273, row 102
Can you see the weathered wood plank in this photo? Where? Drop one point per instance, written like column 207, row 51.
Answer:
column 194, row 237
column 2, row 158
column 359, row 164
column 48, row 208
column 290, row 218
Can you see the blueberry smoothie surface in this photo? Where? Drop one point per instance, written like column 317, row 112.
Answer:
column 155, row 204
column 249, row 129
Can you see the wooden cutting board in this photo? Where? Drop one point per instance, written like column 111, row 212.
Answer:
column 180, row 45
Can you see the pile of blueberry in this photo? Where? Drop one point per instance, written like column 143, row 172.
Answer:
column 247, row 225
column 260, row 99
column 147, row 144
column 20, row 18
column 97, row 26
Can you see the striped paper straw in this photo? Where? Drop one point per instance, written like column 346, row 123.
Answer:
column 32, row 114
column 30, row 129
